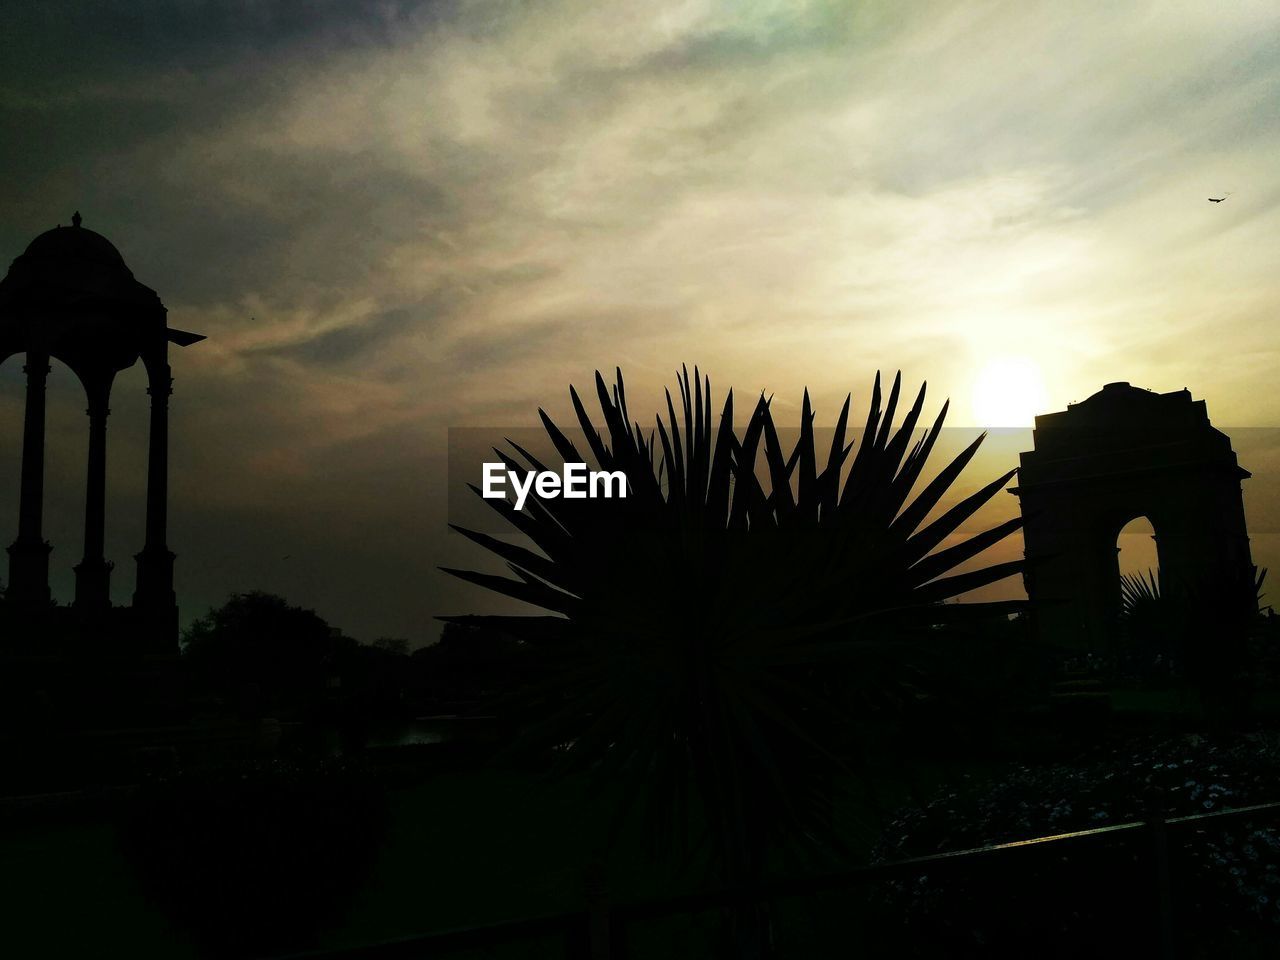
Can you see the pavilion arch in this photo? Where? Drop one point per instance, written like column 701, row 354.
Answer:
column 127, row 446
column 66, row 451
column 1121, row 454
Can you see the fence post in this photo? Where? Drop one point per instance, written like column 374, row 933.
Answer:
column 599, row 928
column 1158, row 838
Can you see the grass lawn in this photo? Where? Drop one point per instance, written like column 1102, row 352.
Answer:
column 69, row 891
column 462, row 849
column 473, row 847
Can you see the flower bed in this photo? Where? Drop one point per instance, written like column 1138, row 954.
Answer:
column 1225, row 876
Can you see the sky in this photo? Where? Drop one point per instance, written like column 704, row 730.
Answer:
column 396, row 219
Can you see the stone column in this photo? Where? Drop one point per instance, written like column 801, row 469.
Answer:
column 29, row 554
column 93, row 573
column 155, row 563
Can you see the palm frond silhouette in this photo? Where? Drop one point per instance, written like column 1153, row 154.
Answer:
column 1178, row 617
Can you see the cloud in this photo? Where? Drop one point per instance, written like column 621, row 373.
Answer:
column 391, row 219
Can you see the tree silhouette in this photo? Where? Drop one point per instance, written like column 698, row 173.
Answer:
column 396, row 646
column 262, row 652
column 465, row 667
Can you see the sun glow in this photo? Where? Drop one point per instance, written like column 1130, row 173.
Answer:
column 1009, row 392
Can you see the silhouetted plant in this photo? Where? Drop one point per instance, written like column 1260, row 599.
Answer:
column 1140, row 594
column 1149, row 624
column 715, row 631
column 1138, row 591
column 1203, row 625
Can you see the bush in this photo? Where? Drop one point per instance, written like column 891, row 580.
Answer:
column 257, row 858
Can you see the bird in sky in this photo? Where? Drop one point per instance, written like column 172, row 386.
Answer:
column 1219, row 199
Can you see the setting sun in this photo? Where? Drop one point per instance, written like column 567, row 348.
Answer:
column 1009, row 392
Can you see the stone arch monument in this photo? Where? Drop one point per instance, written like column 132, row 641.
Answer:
column 71, row 297
column 1121, row 454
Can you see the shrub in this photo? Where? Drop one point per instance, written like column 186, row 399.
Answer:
column 256, row 858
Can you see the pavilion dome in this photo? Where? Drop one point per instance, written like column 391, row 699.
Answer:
column 77, row 244
column 69, row 267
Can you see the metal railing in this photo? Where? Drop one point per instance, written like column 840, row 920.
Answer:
column 591, row 932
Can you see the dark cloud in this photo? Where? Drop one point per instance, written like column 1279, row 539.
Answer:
column 346, row 344
column 114, row 102
column 63, row 46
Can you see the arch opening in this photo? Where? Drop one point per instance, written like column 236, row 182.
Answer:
column 1137, row 549
column 127, row 436
column 66, row 453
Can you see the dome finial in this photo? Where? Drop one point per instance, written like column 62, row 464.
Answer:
column 75, row 219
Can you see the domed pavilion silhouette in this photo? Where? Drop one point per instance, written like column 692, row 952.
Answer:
column 71, row 297
column 1121, row 454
